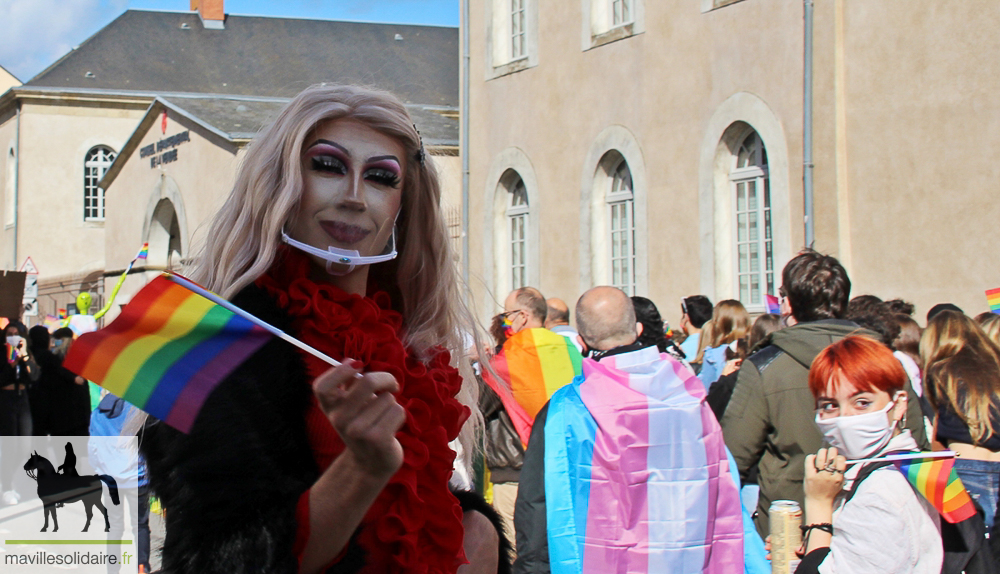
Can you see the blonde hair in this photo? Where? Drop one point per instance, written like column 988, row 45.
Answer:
column 990, row 325
column 244, row 236
column 961, row 368
column 707, row 334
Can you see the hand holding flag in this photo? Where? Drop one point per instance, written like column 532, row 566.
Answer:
column 170, row 347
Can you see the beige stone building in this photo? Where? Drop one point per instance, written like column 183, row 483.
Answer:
column 135, row 135
column 658, row 146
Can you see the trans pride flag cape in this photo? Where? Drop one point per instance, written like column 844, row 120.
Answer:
column 533, row 364
column 636, row 474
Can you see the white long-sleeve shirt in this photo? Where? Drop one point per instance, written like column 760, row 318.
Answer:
column 886, row 528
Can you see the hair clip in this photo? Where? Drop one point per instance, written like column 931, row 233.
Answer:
column 420, row 156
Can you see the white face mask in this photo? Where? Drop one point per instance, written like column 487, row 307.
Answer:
column 349, row 257
column 859, row 436
column 13, row 341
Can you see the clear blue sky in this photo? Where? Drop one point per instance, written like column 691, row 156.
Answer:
column 36, row 33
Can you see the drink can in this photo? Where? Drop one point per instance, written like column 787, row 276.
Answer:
column 785, row 517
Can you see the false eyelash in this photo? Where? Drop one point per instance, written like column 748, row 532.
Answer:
column 328, row 164
column 383, row 177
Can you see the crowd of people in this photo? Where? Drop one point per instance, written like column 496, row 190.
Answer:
column 797, row 397
column 609, row 443
column 38, row 397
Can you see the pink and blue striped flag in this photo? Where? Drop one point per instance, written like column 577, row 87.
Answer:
column 772, row 304
column 637, row 478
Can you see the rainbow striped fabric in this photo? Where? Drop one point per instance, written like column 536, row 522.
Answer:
column 935, row 479
column 637, row 477
column 772, row 304
column 144, row 252
column 166, row 351
column 534, row 363
column 993, row 299
column 11, row 353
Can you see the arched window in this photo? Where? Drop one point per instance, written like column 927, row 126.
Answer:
column 96, row 163
column 621, row 225
column 517, row 223
column 754, row 250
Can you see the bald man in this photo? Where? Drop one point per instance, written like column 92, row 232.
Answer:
column 557, row 321
column 628, row 439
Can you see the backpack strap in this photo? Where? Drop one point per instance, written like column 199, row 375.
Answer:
column 866, row 470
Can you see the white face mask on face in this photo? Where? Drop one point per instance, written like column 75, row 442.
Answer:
column 13, row 341
column 859, row 436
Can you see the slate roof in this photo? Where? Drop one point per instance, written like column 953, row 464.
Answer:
column 147, row 51
column 241, row 117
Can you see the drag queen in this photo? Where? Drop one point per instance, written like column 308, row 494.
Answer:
column 332, row 233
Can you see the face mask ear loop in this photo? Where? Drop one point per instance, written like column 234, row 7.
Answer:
column 902, row 421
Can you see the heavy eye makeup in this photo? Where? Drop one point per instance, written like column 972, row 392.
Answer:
column 328, row 157
column 384, row 171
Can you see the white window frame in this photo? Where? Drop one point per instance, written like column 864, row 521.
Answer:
column 518, row 42
column 621, row 13
column 620, row 202
column 604, row 21
column 511, row 36
column 518, row 214
column 758, row 224
column 95, row 164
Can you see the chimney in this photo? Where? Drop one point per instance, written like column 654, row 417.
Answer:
column 211, row 13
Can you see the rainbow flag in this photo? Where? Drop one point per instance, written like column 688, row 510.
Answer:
column 533, row 364
column 993, row 298
column 772, row 304
column 166, row 351
column 11, row 353
column 51, row 323
column 63, row 314
column 935, row 479
column 637, row 478
column 143, row 253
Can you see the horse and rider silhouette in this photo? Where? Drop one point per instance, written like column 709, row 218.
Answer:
column 58, row 488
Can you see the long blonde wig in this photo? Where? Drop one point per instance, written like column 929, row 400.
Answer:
column 244, row 236
column 961, row 367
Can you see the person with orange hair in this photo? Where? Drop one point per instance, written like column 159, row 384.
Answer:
column 883, row 525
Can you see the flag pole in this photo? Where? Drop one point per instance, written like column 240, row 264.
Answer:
column 267, row 327
column 908, row 456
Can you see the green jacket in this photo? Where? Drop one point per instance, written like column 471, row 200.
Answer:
column 770, row 421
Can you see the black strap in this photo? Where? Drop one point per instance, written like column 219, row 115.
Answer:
column 866, row 470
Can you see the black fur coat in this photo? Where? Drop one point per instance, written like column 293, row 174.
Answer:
column 230, row 487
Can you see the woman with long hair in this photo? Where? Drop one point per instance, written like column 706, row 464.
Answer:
column 961, row 368
column 333, row 232
column 867, row 518
column 730, row 323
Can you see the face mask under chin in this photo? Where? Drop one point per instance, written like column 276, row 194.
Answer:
column 341, row 261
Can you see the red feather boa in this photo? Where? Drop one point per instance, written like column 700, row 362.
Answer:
column 415, row 524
